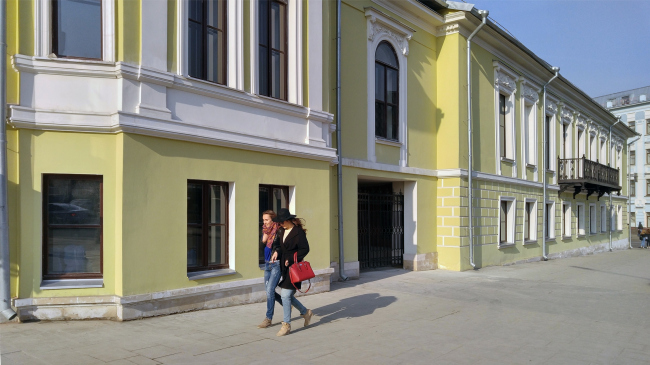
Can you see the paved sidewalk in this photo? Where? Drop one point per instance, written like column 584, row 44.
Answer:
column 585, row 310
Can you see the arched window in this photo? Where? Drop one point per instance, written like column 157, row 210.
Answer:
column 386, row 92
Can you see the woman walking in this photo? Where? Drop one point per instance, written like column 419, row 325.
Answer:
column 271, row 267
column 290, row 239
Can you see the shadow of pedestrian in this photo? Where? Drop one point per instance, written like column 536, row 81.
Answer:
column 357, row 306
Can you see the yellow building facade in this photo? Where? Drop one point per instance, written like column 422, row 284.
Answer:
column 140, row 161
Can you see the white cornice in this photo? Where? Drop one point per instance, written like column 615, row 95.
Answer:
column 383, row 24
column 21, row 117
column 414, row 12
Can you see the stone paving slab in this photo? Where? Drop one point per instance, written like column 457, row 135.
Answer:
column 583, row 310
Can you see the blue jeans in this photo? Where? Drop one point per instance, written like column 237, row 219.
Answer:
column 644, row 242
column 288, row 299
column 271, row 279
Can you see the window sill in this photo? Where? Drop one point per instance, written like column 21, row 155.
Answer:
column 531, row 166
column 566, row 238
column 549, row 171
column 507, row 160
column 550, row 238
column 530, row 242
column 506, row 245
column 388, row 142
column 76, row 60
column 582, row 235
column 198, row 275
column 71, row 284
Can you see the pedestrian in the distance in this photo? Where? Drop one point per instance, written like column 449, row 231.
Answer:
column 642, row 238
column 290, row 239
column 271, row 267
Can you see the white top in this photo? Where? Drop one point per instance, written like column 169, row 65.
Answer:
column 286, row 233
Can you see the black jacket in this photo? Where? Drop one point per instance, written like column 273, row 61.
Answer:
column 296, row 242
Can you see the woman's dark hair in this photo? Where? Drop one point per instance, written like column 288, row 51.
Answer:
column 300, row 222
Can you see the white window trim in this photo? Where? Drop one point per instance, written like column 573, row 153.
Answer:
column 619, row 218
column 381, row 27
column 581, row 219
column 550, row 219
column 551, row 111
column 593, row 222
column 505, row 83
column 567, row 118
column 603, row 218
column 510, row 229
column 533, row 222
column 294, row 51
column 530, row 99
column 566, row 220
column 235, row 31
column 43, row 29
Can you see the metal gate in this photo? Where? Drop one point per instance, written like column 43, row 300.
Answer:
column 381, row 230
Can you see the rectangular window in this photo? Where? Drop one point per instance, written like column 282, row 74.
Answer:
column 580, row 212
column 207, row 52
column 603, row 218
column 632, row 188
column 531, row 141
column 647, row 127
column 72, row 226
column 77, row 29
column 647, row 220
column 550, row 221
column 503, row 224
column 207, row 225
column 592, row 219
column 273, row 198
column 633, row 219
column 631, row 125
column 632, row 158
column 619, row 217
column 547, row 148
column 502, row 125
column 647, row 157
column 647, row 188
column 530, row 226
column 565, row 136
column 272, row 25
column 566, row 217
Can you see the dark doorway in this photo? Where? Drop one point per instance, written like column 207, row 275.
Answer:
column 272, row 197
column 380, row 226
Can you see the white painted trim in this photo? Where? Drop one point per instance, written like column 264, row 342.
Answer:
column 232, row 228
column 505, row 83
column 593, row 223
column 410, row 217
column 389, row 168
column 43, row 29
column 603, row 217
column 581, row 218
column 380, row 28
column 414, row 12
column 533, row 221
column 510, row 229
column 315, row 53
column 550, row 219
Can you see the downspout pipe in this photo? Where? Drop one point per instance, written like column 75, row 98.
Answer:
column 629, row 193
column 5, row 261
column 339, row 165
column 545, row 162
column 611, row 209
column 484, row 15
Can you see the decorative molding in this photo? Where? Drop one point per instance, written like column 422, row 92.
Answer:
column 531, row 94
column 447, row 29
column 414, row 12
column 551, row 106
column 380, row 24
column 566, row 115
column 581, row 121
column 505, row 82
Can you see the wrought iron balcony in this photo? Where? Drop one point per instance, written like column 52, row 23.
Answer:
column 583, row 174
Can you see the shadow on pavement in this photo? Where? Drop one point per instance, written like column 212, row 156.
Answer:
column 368, row 276
column 357, row 306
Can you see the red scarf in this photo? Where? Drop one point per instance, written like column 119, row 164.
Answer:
column 270, row 233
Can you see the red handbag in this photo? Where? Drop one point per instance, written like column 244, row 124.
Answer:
column 300, row 271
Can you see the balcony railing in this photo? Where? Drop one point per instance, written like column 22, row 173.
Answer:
column 581, row 173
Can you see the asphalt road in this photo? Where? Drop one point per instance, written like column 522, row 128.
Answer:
column 584, row 310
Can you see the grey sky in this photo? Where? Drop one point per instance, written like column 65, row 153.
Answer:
column 601, row 46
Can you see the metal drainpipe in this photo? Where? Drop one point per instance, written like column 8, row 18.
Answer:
column 611, row 210
column 484, row 15
column 544, row 162
column 5, row 261
column 339, row 166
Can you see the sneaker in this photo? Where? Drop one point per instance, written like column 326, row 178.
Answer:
column 265, row 323
column 286, row 328
column 307, row 317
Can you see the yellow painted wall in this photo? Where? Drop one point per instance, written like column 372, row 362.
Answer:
column 387, row 154
column 452, row 112
column 127, row 29
column 155, row 209
column 172, row 40
column 483, row 113
column 62, row 153
column 13, row 195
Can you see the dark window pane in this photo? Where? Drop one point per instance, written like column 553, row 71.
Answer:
column 194, row 203
column 195, row 50
column 380, row 82
column 391, row 85
column 277, row 79
column 196, row 10
column 218, row 204
column 194, row 246
column 78, row 30
column 386, row 54
column 380, row 120
column 264, row 71
column 503, row 222
column 395, row 121
column 264, row 22
column 276, row 23
column 391, row 122
column 215, row 56
column 217, row 245
column 279, row 199
column 73, row 250
column 75, row 202
column 216, row 14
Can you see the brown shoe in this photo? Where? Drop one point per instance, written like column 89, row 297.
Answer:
column 265, row 323
column 286, row 328
column 307, row 317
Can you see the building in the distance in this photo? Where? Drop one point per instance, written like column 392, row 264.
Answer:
column 633, row 107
